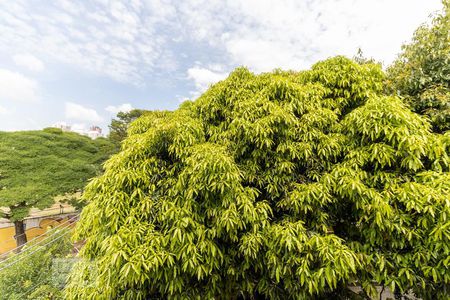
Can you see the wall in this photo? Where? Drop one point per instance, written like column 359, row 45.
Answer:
column 35, row 227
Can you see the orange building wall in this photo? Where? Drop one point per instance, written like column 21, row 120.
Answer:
column 7, row 241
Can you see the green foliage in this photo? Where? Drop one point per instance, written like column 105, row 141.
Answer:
column 118, row 127
column 32, row 273
column 36, row 166
column 421, row 73
column 282, row 185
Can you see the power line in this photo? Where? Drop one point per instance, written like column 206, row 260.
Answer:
column 23, row 256
column 36, row 237
column 18, row 257
column 16, row 236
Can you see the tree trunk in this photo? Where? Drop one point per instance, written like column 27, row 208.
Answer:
column 20, row 236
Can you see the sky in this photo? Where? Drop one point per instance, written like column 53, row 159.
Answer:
column 81, row 62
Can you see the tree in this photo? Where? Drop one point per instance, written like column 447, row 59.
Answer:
column 118, row 127
column 36, row 166
column 361, row 59
column 421, row 74
column 280, row 185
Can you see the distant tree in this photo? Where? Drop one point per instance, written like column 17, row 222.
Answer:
column 284, row 185
column 118, row 127
column 421, row 74
column 361, row 59
column 36, row 166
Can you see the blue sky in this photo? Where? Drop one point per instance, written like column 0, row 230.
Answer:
column 80, row 62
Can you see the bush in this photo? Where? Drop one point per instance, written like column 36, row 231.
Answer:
column 280, row 185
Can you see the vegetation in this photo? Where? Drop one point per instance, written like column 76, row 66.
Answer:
column 280, row 185
column 37, row 273
column 118, row 127
column 36, row 166
column 421, row 74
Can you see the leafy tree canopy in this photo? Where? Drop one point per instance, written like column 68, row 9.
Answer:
column 280, row 185
column 118, row 127
column 36, row 166
column 421, row 73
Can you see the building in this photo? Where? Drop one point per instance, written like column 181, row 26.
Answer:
column 93, row 132
column 63, row 126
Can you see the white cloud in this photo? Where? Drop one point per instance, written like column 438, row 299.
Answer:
column 125, row 107
column 128, row 40
column 204, row 77
column 17, row 87
column 4, row 110
column 182, row 98
column 28, row 61
column 80, row 113
column 116, row 39
column 267, row 34
column 265, row 55
column 59, row 124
